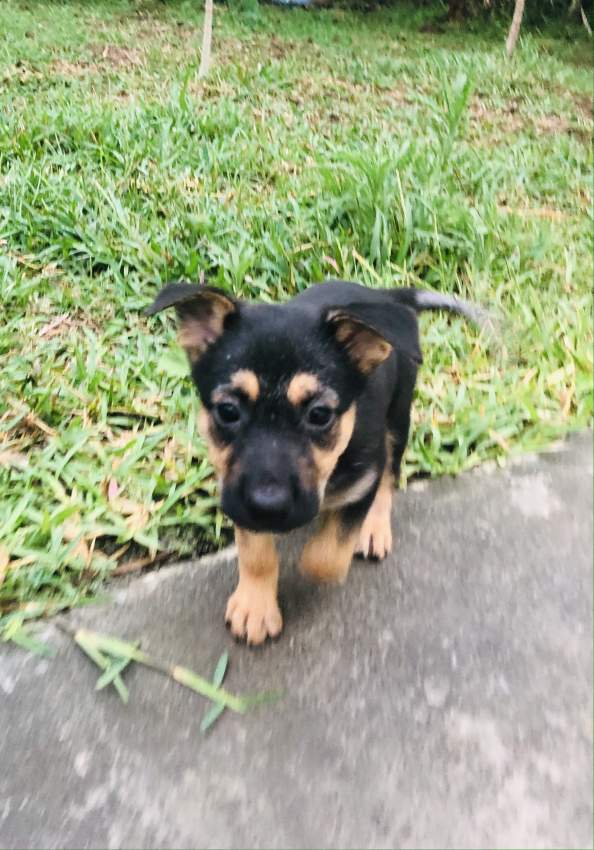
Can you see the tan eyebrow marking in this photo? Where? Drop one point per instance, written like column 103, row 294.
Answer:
column 302, row 385
column 246, row 381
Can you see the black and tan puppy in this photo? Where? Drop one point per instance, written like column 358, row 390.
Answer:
column 306, row 411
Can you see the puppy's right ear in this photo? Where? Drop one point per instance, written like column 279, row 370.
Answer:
column 201, row 310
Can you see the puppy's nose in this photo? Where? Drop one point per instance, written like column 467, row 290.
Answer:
column 269, row 498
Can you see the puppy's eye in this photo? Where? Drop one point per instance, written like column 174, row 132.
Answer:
column 319, row 416
column 227, row 413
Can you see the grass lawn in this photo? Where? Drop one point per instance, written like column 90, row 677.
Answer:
column 323, row 143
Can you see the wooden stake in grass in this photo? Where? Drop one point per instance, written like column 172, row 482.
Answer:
column 514, row 30
column 585, row 21
column 206, row 40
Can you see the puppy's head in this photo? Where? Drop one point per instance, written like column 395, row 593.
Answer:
column 279, row 387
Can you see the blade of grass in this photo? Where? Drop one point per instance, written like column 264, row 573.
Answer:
column 202, row 686
column 100, row 660
column 252, row 700
column 23, row 638
column 215, row 711
column 219, row 674
column 114, row 669
column 211, row 716
column 188, row 678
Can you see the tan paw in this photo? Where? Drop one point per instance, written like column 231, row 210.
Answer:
column 375, row 538
column 253, row 613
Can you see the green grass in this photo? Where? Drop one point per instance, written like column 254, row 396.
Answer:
column 323, row 143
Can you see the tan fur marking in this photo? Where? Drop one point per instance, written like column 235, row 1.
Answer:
column 246, row 381
column 218, row 455
column 307, row 473
column 252, row 610
column 302, row 385
column 327, row 556
column 326, row 459
column 196, row 333
column 188, row 337
column 220, row 394
column 375, row 538
column 366, row 348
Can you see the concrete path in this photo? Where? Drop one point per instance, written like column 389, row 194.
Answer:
column 442, row 699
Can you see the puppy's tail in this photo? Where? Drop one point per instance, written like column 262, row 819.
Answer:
column 422, row 299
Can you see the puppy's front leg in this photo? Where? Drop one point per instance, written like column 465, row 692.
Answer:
column 252, row 610
column 327, row 556
column 375, row 537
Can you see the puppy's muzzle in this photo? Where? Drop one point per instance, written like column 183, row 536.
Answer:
column 268, row 500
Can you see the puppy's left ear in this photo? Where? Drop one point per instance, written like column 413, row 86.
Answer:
column 369, row 332
column 202, row 311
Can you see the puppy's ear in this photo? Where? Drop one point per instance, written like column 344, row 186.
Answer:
column 201, row 310
column 369, row 332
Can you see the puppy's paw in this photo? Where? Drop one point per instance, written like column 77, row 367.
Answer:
column 375, row 538
column 253, row 613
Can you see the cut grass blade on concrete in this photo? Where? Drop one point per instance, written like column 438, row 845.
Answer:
column 13, row 630
column 22, row 637
column 102, row 661
column 109, row 652
column 215, row 711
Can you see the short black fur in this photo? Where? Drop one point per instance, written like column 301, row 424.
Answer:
column 266, row 483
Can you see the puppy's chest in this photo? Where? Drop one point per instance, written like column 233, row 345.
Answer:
column 349, row 487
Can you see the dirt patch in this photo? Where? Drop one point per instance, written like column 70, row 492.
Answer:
column 552, row 124
column 82, row 68
column 555, row 125
column 278, row 48
column 115, row 56
column 172, row 33
column 63, row 325
column 21, row 73
column 509, row 118
column 397, row 96
column 548, row 213
column 232, row 50
column 583, row 103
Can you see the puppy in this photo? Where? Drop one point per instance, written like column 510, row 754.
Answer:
column 306, row 413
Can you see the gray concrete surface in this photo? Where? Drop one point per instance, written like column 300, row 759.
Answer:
column 441, row 699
